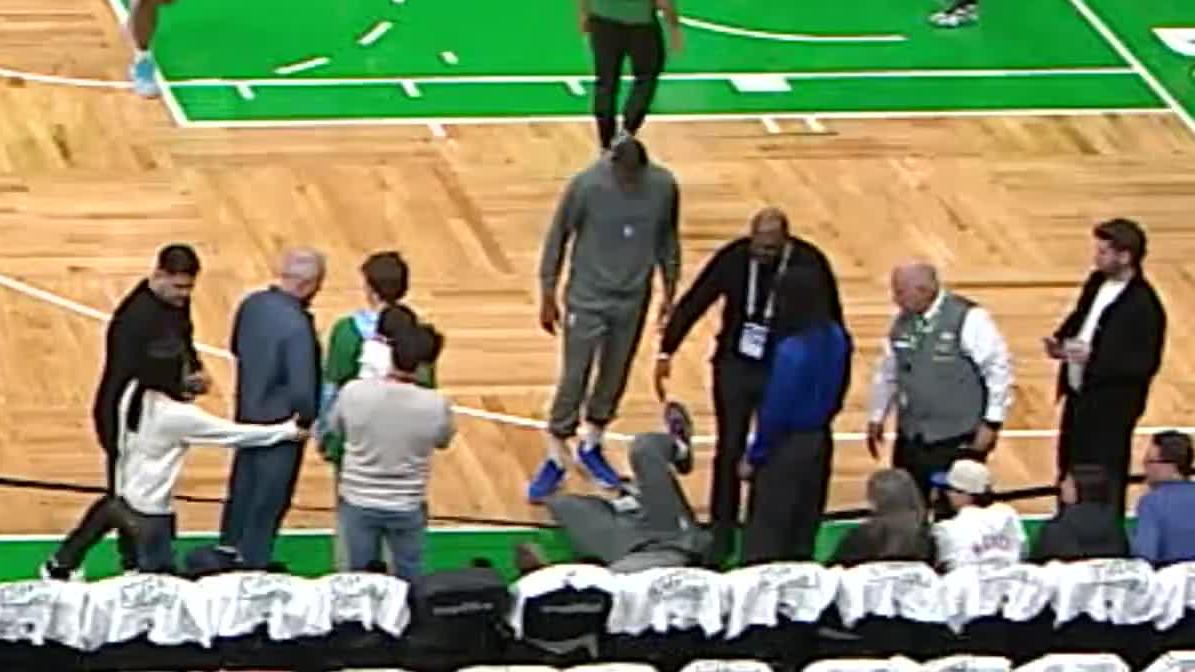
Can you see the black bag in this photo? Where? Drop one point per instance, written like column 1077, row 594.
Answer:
column 457, row 619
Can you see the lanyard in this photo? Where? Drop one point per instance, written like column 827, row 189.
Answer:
column 753, row 284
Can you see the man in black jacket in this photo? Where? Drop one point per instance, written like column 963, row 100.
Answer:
column 743, row 274
column 1110, row 347
column 158, row 308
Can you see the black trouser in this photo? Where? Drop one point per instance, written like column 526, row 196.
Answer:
column 788, row 497
column 738, row 390
column 612, row 42
column 922, row 460
column 105, row 514
column 1097, row 428
column 104, row 417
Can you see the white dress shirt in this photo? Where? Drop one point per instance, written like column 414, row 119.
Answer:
column 980, row 341
column 1109, row 291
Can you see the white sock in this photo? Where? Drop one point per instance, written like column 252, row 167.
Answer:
column 556, row 449
column 593, row 436
column 139, row 54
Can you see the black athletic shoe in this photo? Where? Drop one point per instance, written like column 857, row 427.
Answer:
column 680, row 426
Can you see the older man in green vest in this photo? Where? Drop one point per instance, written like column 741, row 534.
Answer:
column 946, row 370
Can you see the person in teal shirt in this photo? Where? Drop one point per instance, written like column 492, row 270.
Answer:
column 619, row 29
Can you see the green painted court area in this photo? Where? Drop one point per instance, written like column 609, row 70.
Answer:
column 230, row 62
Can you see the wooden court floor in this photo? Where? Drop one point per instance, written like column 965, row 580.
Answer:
column 93, row 181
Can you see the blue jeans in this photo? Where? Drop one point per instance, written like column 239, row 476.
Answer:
column 155, row 543
column 363, row 530
column 259, row 493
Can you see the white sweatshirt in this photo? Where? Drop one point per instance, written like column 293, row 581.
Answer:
column 150, row 459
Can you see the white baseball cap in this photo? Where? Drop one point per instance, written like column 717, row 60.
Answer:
column 966, row 476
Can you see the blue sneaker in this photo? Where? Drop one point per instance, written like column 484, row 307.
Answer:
column 143, row 72
column 595, row 463
column 545, row 482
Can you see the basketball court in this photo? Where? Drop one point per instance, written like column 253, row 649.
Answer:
column 447, row 128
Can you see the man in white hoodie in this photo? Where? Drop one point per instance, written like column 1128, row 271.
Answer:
column 157, row 423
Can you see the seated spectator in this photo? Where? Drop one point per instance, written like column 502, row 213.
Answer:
column 1165, row 531
column 982, row 531
column 1086, row 526
column 651, row 524
column 897, row 529
column 392, row 426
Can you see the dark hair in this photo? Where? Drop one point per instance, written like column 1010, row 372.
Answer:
column 386, row 273
column 1174, row 447
column 1124, row 235
column 161, row 370
column 802, row 301
column 178, row 259
column 1091, row 483
column 415, row 345
column 393, row 320
column 984, row 499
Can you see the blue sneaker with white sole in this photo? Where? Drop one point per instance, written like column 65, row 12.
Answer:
column 545, row 482
column 144, row 72
column 599, row 469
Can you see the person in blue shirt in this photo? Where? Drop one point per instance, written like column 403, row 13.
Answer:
column 788, row 462
column 1165, row 531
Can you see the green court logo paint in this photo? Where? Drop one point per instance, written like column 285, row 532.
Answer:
column 1180, row 40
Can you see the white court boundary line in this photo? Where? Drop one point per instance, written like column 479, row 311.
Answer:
column 530, row 423
column 176, row 111
column 1138, row 67
column 736, row 31
column 927, row 73
column 678, row 118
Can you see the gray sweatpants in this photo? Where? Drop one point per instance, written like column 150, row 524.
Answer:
column 632, row 541
column 610, row 337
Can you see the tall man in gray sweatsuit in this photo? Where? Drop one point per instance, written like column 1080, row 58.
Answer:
column 621, row 215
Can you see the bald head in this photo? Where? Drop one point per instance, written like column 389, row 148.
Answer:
column 301, row 272
column 914, row 286
column 769, row 232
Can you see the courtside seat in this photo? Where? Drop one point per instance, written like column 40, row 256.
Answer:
column 968, row 663
column 893, row 664
column 1076, row 662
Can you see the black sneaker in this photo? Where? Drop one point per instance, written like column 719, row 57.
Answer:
column 680, row 426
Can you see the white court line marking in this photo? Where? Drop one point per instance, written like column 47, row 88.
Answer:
column 438, row 130
column 574, row 87
column 1138, row 67
column 87, row 311
column 301, row 66
column 667, row 77
column 685, row 118
column 814, row 124
column 375, row 33
column 410, row 88
column 783, row 37
column 65, row 81
column 770, row 125
column 449, row 57
column 246, row 91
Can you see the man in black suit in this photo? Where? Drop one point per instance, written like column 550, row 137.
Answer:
column 1110, row 347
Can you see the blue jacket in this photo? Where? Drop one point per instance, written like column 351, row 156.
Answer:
column 278, row 359
column 1165, row 527
column 805, row 385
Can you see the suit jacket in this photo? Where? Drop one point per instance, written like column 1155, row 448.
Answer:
column 1126, row 350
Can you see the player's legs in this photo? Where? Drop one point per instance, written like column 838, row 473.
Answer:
column 619, row 343
column 582, row 333
column 609, row 43
column 143, row 23
column 646, row 46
